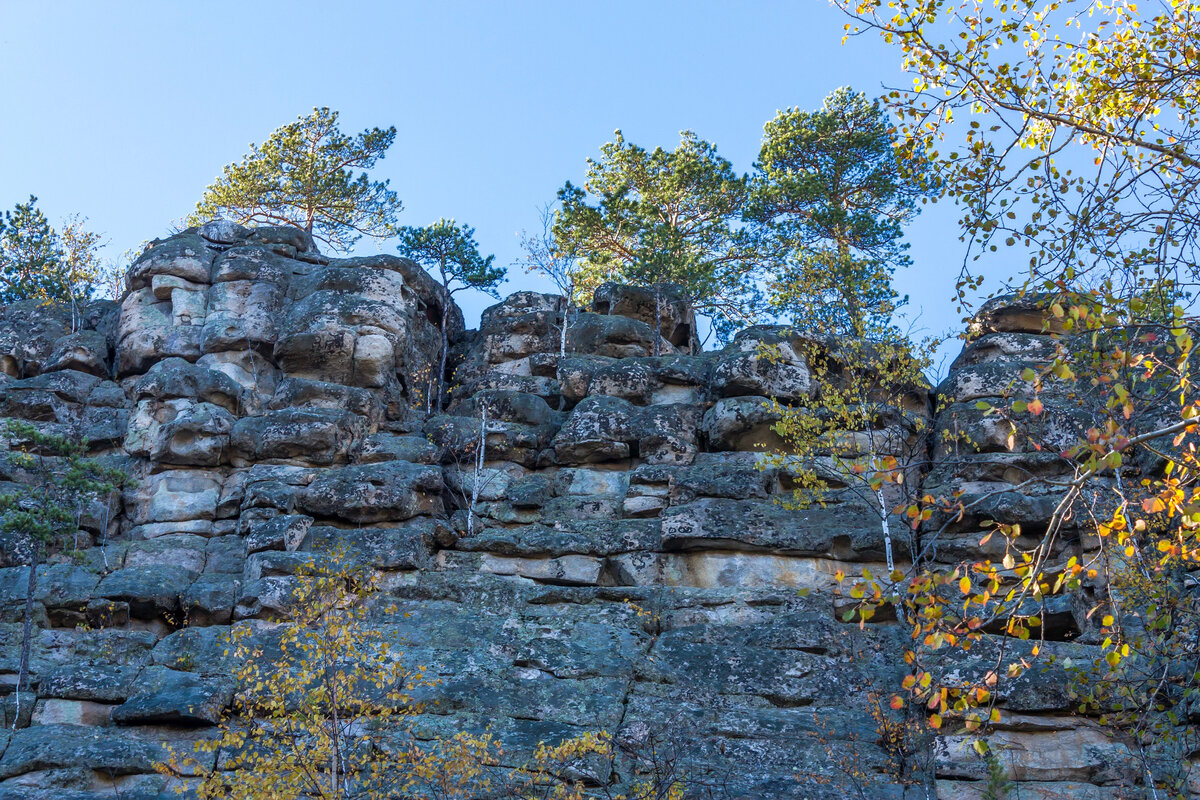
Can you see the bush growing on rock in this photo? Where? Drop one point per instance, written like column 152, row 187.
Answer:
column 326, row 705
column 1079, row 476
column 58, row 483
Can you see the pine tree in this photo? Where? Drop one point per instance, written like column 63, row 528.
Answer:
column 303, row 176
column 666, row 220
column 39, row 263
column 451, row 251
column 831, row 196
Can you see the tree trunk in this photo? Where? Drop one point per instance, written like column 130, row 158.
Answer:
column 26, row 633
column 851, row 289
column 562, row 340
column 445, row 338
column 885, row 527
column 887, row 531
column 657, row 320
column 480, row 450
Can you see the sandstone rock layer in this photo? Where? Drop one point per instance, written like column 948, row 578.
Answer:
column 628, row 566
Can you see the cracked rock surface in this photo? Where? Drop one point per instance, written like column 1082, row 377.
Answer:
column 628, row 566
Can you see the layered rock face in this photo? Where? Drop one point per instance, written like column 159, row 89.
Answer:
column 621, row 562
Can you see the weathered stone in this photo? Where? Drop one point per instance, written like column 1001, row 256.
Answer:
column 393, row 490
column 51, row 397
column 31, row 330
column 57, row 746
column 291, row 237
column 293, row 392
column 85, row 351
column 741, row 423
column 209, row 599
column 676, row 319
column 615, row 337
column 599, row 429
column 225, row 554
column 184, row 256
column 844, row 529
column 1015, row 314
column 242, row 315
column 148, row 344
column 763, row 361
column 165, row 695
column 151, row 592
column 223, row 231
column 595, row 538
column 183, row 550
column 570, row 570
column 106, row 683
column 318, row 436
column 627, row 563
column 1083, row 753
column 284, row 532
column 405, row 548
column 174, row 496
column 338, row 305
column 197, row 434
column 257, row 376
column 177, row 378
column 378, row 447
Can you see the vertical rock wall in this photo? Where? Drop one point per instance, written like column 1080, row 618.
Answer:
column 629, row 567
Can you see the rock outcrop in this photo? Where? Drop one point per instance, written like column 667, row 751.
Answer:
column 627, row 565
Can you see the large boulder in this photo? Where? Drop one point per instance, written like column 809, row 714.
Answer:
column 360, row 322
column 678, row 320
column 393, row 490
column 187, row 256
column 318, row 436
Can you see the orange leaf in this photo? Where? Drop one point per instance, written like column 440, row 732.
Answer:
column 1153, row 505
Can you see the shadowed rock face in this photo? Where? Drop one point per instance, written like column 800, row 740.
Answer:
column 628, row 566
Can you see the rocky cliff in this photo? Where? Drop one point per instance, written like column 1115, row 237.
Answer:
column 628, row 568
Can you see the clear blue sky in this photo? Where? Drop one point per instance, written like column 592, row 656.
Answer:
column 125, row 111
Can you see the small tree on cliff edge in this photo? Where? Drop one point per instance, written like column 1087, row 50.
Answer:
column 544, row 255
column 38, row 262
column 452, row 250
column 303, row 176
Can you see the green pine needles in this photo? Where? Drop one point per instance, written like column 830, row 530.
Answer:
column 38, row 262
column 303, row 176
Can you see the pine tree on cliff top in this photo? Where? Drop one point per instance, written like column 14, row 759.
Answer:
column 303, row 176
column 663, row 219
column 831, row 195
